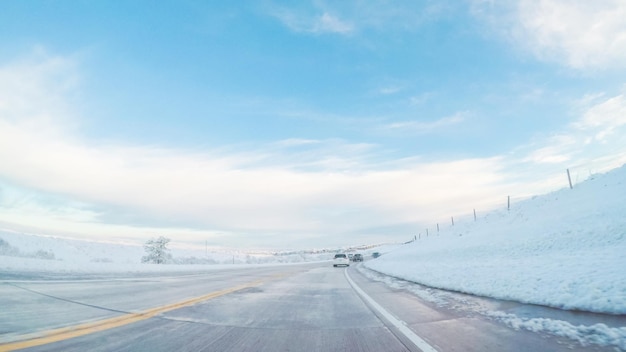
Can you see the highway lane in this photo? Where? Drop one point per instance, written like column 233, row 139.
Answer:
column 287, row 308
column 35, row 305
column 309, row 307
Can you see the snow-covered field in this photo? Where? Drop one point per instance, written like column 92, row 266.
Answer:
column 21, row 252
column 566, row 249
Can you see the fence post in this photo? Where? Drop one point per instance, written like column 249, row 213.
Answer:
column 508, row 202
column 569, row 178
column 474, row 214
column 426, row 232
column 437, row 227
column 452, row 217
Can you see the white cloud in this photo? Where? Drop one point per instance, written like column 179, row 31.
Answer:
column 348, row 17
column 604, row 118
column 222, row 191
column 296, row 142
column 331, row 24
column 388, row 90
column 557, row 151
column 38, row 80
column 427, row 127
column 421, row 98
column 221, row 194
column 314, row 24
column 579, row 34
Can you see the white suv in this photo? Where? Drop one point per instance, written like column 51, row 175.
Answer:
column 341, row 259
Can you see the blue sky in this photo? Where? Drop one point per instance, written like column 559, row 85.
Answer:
column 298, row 124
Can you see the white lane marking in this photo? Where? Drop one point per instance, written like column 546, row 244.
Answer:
column 399, row 324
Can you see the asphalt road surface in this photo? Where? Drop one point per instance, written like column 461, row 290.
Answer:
column 306, row 307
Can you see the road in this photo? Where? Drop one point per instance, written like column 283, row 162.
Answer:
column 306, row 307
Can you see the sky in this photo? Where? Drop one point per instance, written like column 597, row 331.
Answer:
column 267, row 124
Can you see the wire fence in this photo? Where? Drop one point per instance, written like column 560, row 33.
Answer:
column 568, row 178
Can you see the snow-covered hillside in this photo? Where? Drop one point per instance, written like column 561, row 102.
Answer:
column 565, row 249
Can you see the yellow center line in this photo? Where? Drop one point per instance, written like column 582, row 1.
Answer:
column 50, row 336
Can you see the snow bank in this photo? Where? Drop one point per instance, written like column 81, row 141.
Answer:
column 566, row 249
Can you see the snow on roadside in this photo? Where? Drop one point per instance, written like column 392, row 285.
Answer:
column 591, row 332
column 566, row 249
column 598, row 334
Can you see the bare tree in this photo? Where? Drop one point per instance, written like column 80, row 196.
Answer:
column 156, row 251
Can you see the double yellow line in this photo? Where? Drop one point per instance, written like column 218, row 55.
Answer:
column 50, row 336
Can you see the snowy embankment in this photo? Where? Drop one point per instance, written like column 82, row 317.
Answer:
column 566, row 249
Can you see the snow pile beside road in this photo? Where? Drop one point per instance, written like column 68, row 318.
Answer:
column 566, row 249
